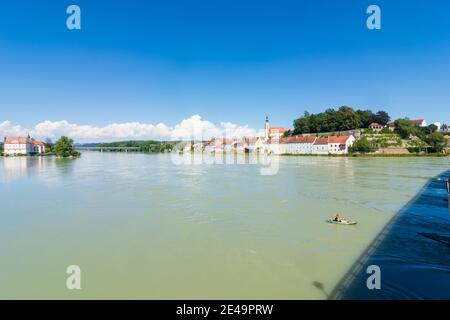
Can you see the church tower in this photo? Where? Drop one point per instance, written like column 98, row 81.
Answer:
column 266, row 129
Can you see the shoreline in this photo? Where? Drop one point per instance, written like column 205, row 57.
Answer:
column 427, row 202
column 381, row 155
column 369, row 155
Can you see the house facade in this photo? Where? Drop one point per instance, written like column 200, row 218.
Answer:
column 320, row 146
column 376, row 126
column 312, row 145
column 295, row 145
column 22, row 146
column 340, row 144
column 415, row 122
column 419, row 122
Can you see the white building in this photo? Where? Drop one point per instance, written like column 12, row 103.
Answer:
column 438, row 125
column 293, row 145
column 312, row 145
column 320, row 146
column 376, row 126
column 255, row 144
column 22, row 145
column 419, row 123
column 416, row 122
column 340, row 144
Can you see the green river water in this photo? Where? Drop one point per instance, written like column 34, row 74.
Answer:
column 141, row 226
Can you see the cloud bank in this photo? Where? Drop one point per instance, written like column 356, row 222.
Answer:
column 192, row 128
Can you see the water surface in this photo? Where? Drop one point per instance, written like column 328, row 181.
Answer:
column 140, row 226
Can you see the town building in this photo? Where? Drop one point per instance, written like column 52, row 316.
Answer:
column 312, row 145
column 340, row 144
column 376, row 126
column 320, row 146
column 416, row 122
column 274, row 133
column 419, row 123
column 274, row 142
column 296, row 145
column 22, row 146
column 256, row 144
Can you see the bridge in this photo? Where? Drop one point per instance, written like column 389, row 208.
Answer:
column 110, row 149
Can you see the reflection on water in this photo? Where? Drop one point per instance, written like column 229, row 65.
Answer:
column 18, row 167
column 46, row 169
column 140, row 226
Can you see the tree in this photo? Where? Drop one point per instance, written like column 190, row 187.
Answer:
column 345, row 118
column 404, row 127
column 385, row 130
column 361, row 146
column 287, row 134
column 436, row 141
column 381, row 117
column 64, row 148
column 365, row 118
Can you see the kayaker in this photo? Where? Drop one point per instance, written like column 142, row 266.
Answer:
column 337, row 217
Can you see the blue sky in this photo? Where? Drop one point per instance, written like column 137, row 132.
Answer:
column 237, row 61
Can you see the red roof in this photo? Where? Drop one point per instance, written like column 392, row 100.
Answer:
column 278, row 129
column 38, row 143
column 321, row 141
column 417, row 121
column 338, row 139
column 18, row 140
column 309, row 139
column 332, row 139
column 374, row 124
column 22, row 140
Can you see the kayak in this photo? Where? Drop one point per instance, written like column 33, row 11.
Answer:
column 343, row 221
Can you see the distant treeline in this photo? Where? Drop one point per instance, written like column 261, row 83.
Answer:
column 345, row 118
column 144, row 146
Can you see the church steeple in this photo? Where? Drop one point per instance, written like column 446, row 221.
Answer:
column 266, row 128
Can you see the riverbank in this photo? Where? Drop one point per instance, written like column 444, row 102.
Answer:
column 27, row 155
column 371, row 155
column 411, row 251
column 351, row 155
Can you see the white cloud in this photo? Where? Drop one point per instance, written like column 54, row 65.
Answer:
column 192, row 128
column 8, row 129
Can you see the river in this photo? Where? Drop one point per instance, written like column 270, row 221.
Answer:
column 141, row 226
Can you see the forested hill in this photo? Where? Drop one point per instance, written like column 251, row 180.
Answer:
column 342, row 119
